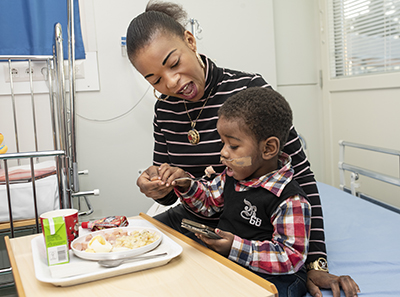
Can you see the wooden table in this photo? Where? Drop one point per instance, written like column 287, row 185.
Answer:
column 197, row 271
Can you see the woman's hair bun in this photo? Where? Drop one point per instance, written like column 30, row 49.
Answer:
column 173, row 10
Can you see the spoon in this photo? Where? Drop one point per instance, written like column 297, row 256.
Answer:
column 190, row 178
column 117, row 262
column 239, row 162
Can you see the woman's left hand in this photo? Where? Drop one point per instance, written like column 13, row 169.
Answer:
column 320, row 279
column 221, row 246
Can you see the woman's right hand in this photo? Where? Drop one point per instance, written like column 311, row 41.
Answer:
column 169, row 175
column 150, row 185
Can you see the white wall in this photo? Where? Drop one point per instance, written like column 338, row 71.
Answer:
column 298, row 65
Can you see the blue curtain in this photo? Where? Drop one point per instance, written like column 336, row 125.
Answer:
column 27, row 27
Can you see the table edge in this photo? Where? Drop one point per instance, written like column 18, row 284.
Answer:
column 15, row 271
column 217, row 257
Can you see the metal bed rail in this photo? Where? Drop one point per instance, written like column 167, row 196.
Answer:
column 62, row 110
column 32, row 155
column 59, row 155
column 62, row 122
column 67, row 141
column 13, row 226
column 11, row 69
column 356, row 171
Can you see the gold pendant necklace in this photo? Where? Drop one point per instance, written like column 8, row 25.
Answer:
column 194, row 135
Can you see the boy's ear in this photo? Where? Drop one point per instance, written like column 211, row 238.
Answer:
column 270, row 147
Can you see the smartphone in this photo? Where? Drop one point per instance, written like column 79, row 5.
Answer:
column 199, row 228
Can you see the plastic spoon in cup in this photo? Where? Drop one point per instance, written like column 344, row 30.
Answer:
column 117, row 262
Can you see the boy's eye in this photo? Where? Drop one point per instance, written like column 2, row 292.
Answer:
column 234, row 147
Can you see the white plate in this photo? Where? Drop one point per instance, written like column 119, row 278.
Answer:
column 80, row 271
column 120, row 254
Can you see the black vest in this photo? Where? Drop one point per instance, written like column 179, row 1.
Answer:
column 248, row 214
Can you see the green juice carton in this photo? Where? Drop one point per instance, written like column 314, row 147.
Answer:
column 55, row 235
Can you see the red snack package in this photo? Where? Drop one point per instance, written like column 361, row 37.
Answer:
column 105, row 223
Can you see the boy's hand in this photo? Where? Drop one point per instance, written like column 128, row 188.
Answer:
column 221, row 246
column 168, row 174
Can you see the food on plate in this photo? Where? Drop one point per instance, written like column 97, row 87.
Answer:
column 116, row 240
column 99, row 244
column 136, row 239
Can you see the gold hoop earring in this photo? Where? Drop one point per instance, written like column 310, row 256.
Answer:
column 200, row 60
column 159, row 98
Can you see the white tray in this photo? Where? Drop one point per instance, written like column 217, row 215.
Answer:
column 67, row 274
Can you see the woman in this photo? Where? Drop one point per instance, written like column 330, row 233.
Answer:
column 193, row 88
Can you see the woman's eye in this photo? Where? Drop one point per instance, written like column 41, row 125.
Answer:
column 233, row 147
column 156, row 82
column 176, row 64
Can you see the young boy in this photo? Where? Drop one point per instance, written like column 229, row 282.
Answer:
column 265, row 216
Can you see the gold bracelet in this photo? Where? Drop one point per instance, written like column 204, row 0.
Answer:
column 320, row 264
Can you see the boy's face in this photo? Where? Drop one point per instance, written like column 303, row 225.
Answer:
column 239, row 143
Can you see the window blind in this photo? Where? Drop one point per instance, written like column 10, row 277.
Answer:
column 364, row 37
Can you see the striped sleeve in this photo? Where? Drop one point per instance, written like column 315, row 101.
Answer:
column 160, row 154
column 305, row 177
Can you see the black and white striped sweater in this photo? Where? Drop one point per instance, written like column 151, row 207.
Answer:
column 171, row 125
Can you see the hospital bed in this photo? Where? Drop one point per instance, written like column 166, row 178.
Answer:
column 362, row 233
column 362, row 240
column 33, row 182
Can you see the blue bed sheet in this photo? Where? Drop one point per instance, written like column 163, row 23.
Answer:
column 362, row 241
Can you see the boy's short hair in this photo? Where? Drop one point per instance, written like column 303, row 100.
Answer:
column 263, row 111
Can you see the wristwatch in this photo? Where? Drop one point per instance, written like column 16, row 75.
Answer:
column 320, row 264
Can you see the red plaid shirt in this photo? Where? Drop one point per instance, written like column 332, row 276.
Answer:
column 287, row 251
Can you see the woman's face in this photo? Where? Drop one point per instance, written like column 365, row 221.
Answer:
column 170, row 65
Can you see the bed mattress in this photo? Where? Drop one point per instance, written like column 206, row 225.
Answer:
column 21, row 193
